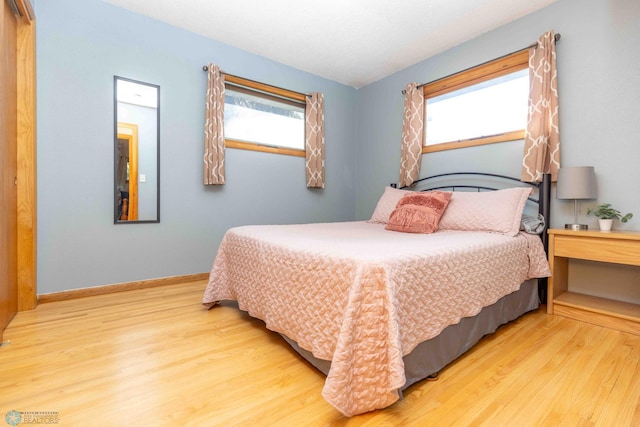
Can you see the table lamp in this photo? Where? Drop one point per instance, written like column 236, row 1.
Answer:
column 576, row 183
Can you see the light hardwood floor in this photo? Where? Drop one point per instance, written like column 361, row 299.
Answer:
column 156, row 357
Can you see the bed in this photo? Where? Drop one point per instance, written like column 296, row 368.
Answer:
column 377, row 310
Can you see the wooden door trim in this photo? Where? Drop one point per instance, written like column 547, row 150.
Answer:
column 26, row 157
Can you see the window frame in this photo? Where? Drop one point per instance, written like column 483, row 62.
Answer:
column 489, row 70
column 285, row 94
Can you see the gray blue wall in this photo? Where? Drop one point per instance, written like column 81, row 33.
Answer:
column 81, row 44
column 599, row 88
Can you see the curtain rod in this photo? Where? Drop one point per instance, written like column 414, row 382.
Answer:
column 556, row 37
column 206, row 68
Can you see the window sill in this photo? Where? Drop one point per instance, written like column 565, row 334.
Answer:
column 251, row 146
column 492, row 139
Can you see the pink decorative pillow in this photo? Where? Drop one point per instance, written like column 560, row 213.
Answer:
column 419, row 212
column 387, row 204
column 494, row 211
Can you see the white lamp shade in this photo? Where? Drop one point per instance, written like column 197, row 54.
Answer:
column 576, row 183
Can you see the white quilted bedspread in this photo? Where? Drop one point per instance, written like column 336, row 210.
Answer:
column 363, row 297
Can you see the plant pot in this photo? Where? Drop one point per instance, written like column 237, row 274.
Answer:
column 605, row 224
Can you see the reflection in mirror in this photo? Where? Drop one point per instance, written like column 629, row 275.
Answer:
column 137, row 151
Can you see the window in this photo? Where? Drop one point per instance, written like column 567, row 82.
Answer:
column 483, row 105
column 263, row 118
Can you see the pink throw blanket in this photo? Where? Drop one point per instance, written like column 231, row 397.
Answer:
column 362, row 296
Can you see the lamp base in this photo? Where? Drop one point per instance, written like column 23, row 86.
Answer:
column 576, row 227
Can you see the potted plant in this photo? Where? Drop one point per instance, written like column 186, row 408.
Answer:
column 606, row 214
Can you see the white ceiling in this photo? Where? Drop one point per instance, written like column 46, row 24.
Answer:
column 355, row 42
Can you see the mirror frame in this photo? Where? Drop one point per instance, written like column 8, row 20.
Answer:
column 115, row 151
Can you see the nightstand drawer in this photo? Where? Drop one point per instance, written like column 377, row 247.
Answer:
column 598, row 249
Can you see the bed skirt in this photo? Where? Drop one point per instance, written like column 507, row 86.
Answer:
column 431, row 356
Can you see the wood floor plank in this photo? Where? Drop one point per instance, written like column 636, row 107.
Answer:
column 157, row 357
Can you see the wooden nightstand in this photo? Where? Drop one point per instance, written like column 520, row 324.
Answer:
column 614, row 247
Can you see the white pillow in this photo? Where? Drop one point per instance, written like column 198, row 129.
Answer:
column 386, row 204
column 494, row 211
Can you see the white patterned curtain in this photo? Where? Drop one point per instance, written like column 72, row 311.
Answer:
column 542, row 137
column 314, row 140
column 412, row 131
column 213, row 128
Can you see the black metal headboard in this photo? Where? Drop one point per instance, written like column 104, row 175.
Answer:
column 542, row 200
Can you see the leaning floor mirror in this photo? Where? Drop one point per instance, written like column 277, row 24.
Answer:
column 137, row 151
